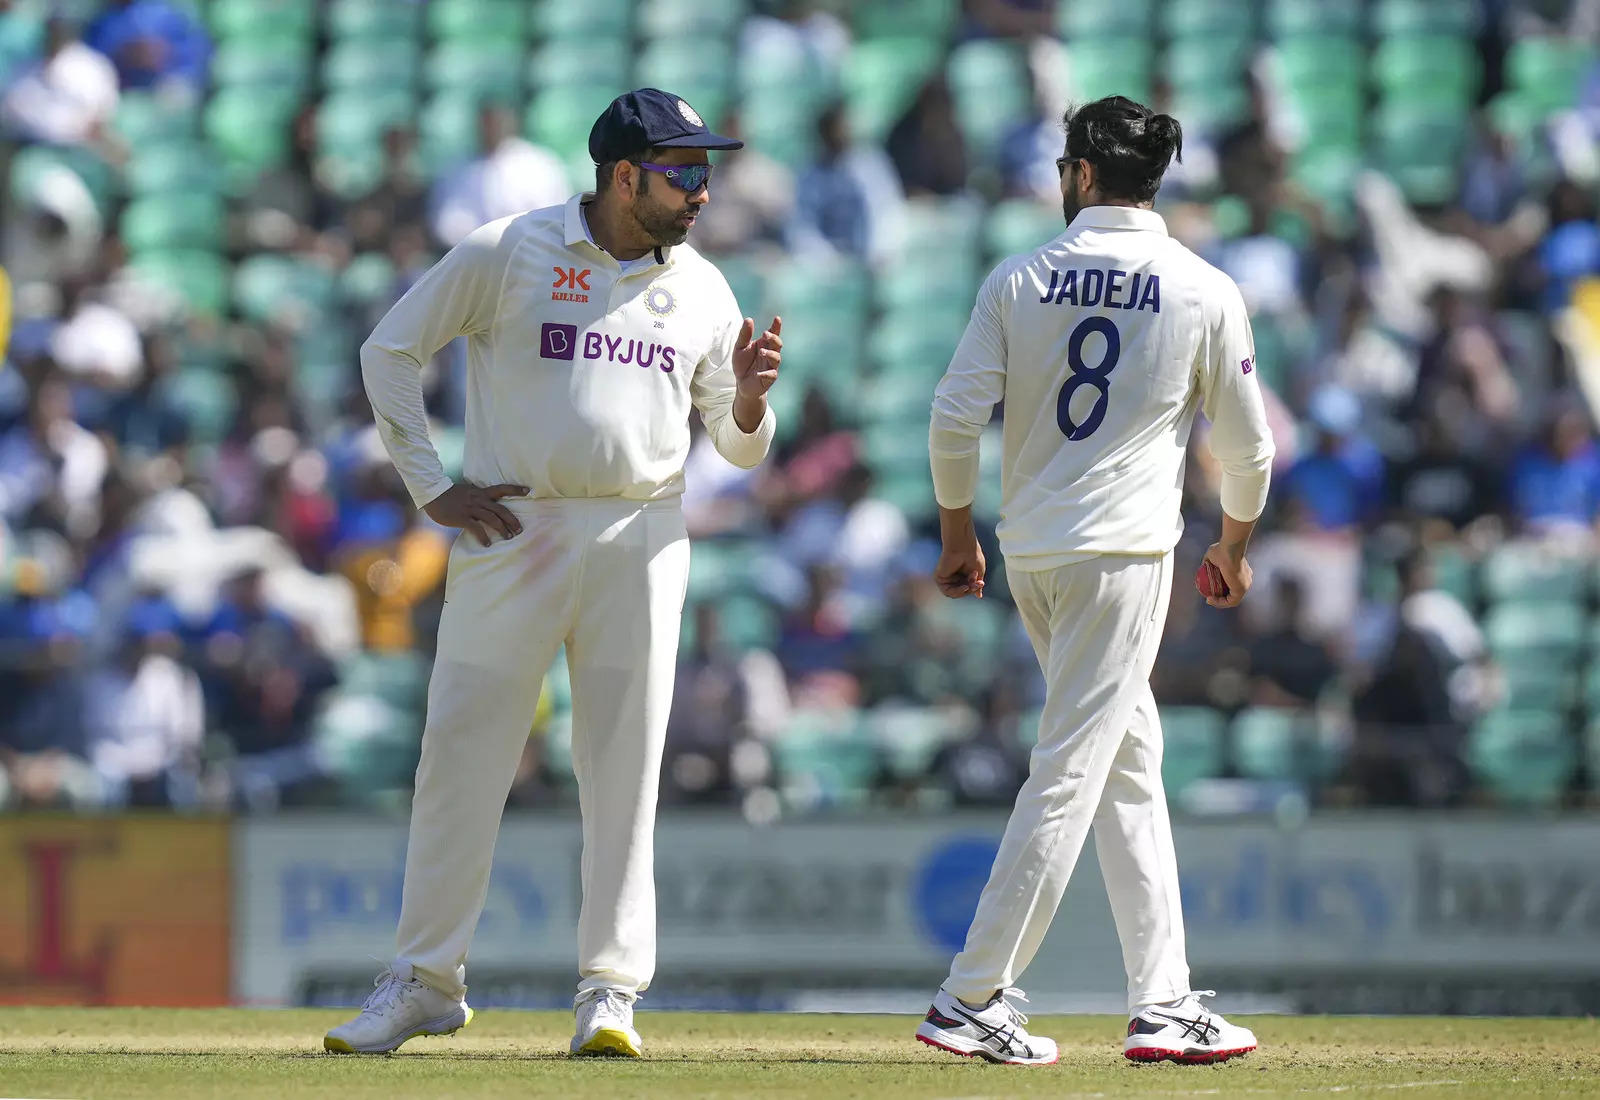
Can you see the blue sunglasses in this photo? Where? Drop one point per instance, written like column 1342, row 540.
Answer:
column 688, row 178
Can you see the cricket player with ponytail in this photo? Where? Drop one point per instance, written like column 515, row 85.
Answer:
column 1104, row 344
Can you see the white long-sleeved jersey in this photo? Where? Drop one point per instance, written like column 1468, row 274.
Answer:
column 1103, row 344
column 581, row 370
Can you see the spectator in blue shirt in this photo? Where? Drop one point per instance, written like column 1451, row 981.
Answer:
column 1555, row 483
column 1339, row 484
column 1571, row 250
column 152, row 42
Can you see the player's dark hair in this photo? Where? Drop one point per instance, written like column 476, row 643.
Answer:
column 603, row 173
column 1129, row 144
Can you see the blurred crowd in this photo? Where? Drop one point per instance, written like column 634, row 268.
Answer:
column 215, row 594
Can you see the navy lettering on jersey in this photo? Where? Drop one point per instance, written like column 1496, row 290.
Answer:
column 1094, row 281
column 1095, row 286
column 1113, row 284
column 1152, row 294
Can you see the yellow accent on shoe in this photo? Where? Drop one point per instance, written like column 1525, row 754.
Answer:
column 609, row 1043
column 453, row 1030
column 337, row 1046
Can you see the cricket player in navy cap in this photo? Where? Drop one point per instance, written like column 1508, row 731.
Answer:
column 592, row 330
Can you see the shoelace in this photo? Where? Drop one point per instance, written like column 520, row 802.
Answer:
column 612, row 1000
column 1196, row 994
column 386, row 988
column 1018, row 1016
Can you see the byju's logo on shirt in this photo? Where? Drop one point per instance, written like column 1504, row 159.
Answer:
column 561, row 342
column 570, row 277
column 1247, row 365
column 558, row 341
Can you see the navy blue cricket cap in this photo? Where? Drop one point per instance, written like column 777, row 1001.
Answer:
column 649, row 117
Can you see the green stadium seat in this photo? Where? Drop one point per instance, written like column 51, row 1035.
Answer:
column 931, row 20
column 367, row 745
column 1102, row 68
column 1592, row 751
column 249, row 129
column 669, row 18
column 894, row 448
column 1199, row 18
column 1548, row 70
column 144, row 116
column 479, row 21
column 252, row 62
column 673, row 63
column 1320, row 61
column 718, row 566
column 209, row 400
column 916, row 343
column 1456, row 573
column 267, row 286
column 881, row 79
column 1552, row 631
column 174, row 167
column 1420, row 146
column 368, row 279
column 1523, row 758
column 1193, row 746
column 748, row 281
column 447, row 131
column 21, row 36
column 910, row 738
column 1213, row 108
column 563, row 63
column 1401, row 17
column 1021, row 225
column 1432, row 67
column 1332, row 117
column 371, row 63
column 992, row 90
column 836, row 289
column 560, row 118
column 1204, row 63
column 564, row 19
column 1536, row 684
column 943, row 231
column 1292, row 18
column 1520, row 572
column 399, row 679
column 198, row 279
column 36, row 168
column 1097, row 19
column 484, row 68
column 748, row 621
column 780, row 124
column 262, row 19
column 166, row 221
column 1277, row 743
column 911, row 491
column 823, row 759
column 382, row 20
column 359, row 117
column 932, row 288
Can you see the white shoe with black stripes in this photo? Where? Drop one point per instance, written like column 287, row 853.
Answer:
column 994, row 1032
column 1188, row 1033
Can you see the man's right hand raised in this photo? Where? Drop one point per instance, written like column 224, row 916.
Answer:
column 476, row 509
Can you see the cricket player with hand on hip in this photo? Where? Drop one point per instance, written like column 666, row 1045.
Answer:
column 592, row 329
column 1103, row 343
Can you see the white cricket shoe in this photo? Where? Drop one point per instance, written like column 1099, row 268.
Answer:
column 993, row 1033
column 605, row 1024
column 400, row 1007
column 1190, row 1033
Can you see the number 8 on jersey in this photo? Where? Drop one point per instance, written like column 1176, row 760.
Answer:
column 1084, row 375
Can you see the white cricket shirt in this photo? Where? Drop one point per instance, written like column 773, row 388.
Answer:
column 581, row 370
column 1103, row 343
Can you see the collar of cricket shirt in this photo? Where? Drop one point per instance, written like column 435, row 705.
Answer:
column 1119, row 217
column 577, row 226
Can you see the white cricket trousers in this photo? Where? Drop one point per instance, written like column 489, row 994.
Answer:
column 606, row 577
column 1095, row 626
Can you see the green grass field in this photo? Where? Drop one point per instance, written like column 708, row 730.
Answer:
column 242, row 1054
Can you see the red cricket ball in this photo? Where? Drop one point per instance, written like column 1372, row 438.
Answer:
column 1208, row 581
